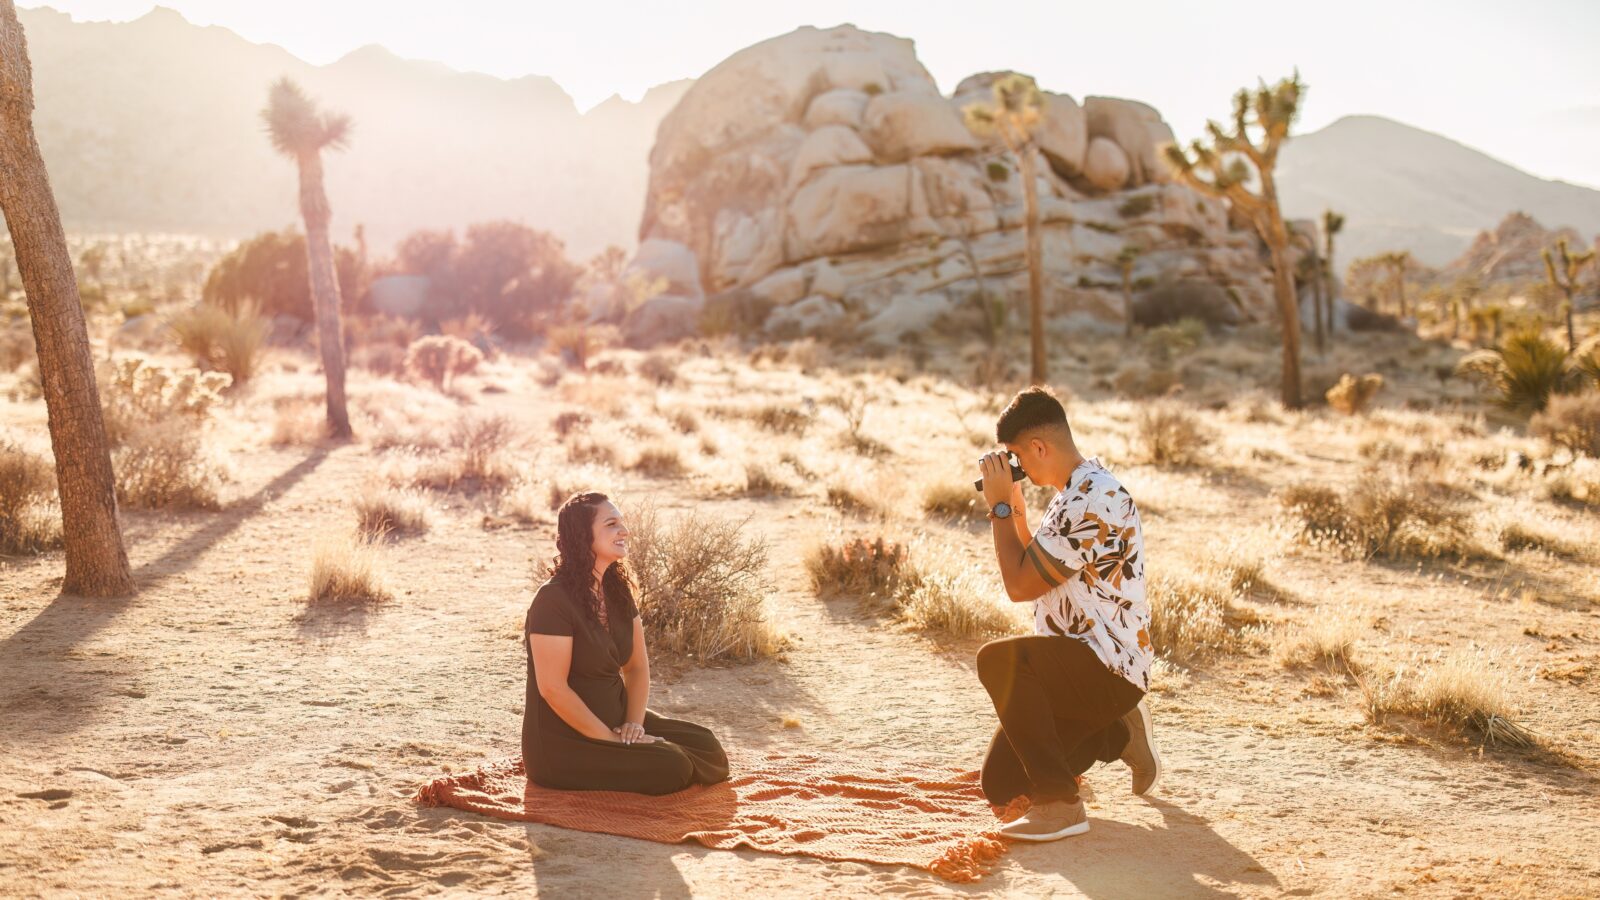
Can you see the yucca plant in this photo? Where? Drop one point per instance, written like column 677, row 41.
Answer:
column 1523, row 373
column 1013, row 114
column 1225, row 166
column 301, row 132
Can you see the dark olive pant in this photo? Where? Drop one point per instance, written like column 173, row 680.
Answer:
column 689, row 755
column 1060, row 712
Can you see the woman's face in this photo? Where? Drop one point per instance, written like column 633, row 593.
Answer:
column 610, row 535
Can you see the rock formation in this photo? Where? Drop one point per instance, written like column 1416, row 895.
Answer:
column 1509, row 253
column 821, row 178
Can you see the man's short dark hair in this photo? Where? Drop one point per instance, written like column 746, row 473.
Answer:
column 1033, row 408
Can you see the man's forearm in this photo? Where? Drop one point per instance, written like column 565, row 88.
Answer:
column 1008, row 550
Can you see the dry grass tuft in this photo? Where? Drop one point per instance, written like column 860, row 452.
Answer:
column 659, row 461
column 234, row 341
column 952, row 500
column 381, row 511
column 481, row 443
column 958, row 601
column 30, row 519
column 440, row 359
column 1571, row 421
column 1384, row 517
column 1516, row 536
column 701, row 584
column 1352, row 395
column 1172, row 436
column 1190, row 613
column 781, row 419
column 571, row 421
column 855, row 499
column 762, row 481
column 1468, row 689
column 659, row 367
column 168, row 466
column 1328, row 638
column 345, row 569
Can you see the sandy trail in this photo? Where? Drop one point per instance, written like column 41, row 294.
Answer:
column 212, row 737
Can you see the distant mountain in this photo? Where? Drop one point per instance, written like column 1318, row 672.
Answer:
column 154, row 125
column 1400, row 187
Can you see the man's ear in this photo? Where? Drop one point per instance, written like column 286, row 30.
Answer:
column 1040, row 448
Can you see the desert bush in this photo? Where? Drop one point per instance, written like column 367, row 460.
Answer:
column 701, row 583
column 527, row 502
column 660, row 368
column 683, row 421
column 857, row 567
column 659, row 461
column 593, row 451
column 782, row 419
column 1521, row 536
column 1186, row 299
column 1168, row 342
column 855, row 499
column 167, row 466
column 383, row 510
column 1523, row 373
column 1577, row 483
column 30, row 519
column 1352, row 395
column 136, row 393
column 1171, row 436
column 270, row 269
column 480, row 442
column 222, row 340
column 1470, row 689
column 440, row 358
column 1386, row 517
column 1571, row 421
column 578, row 342
column 570, row 421
column 1138, row 382
column 952, row 500
column 761, row 481
column 474, row 329
column 345, row 569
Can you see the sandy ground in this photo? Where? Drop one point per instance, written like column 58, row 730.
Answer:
column 211, row 736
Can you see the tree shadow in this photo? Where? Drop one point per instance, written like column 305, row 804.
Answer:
column 1119, row 860
column 71, row 689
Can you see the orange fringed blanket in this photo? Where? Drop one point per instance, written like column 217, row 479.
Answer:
column 931, row 817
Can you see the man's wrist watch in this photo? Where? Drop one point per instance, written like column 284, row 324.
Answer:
column 1002, row 510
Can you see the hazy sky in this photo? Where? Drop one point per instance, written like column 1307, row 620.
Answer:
column 1519, row 80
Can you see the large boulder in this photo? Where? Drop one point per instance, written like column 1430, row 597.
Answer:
column 828, row 146
column 1063, row 134
column 671, row 264
column 669, row 317
column 847, row 209
column 1135, row 127
column 841, row 106
column 905, row 124
column 810, row 316
column 1106, row 165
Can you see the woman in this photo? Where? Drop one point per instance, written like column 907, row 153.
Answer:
column 585, row 726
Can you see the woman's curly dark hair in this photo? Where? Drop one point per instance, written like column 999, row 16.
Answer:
column 573, row 566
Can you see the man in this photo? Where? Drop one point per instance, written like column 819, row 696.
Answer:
column 1072, row 693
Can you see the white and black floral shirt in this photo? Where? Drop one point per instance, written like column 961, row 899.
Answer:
column 1090, row 549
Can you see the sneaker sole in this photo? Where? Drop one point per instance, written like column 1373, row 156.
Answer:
column 1150, row 740
column 1069, row 831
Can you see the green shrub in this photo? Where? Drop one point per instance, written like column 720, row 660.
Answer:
column 270, row 270
column 223, row 340
column 1523, row 373
column 1167, row 342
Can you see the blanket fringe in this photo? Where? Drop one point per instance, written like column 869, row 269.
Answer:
column 970, row 860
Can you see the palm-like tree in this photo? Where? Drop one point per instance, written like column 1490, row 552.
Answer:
column 1014, row 112
column 97, row 564
column 1332, row 224
column 1225, row 167
column 301, row 132
column 1565, row 279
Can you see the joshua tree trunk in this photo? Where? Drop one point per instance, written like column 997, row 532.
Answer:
column 324, row 289
column 1277, row 238
column 1030, row 200
column 1572, row 333
column 1316, row 300
column 97, row 564
column 1127, row 300
column 1400, row 288
column 1327, row 285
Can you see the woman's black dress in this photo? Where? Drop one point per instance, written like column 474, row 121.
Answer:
column 556, row 756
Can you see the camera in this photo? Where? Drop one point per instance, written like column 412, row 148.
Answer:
column 1016, row 472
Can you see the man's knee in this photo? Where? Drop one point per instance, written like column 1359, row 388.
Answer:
column 998, row 659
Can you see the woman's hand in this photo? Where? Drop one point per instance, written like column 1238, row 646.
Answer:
column 633, row 733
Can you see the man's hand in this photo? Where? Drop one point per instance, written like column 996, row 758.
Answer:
column 997, row 484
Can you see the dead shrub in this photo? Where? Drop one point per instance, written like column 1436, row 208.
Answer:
column 781, row 419
column 592, row 452
column 854, row 499
column 298, row 421
column 1571, row 421
column 957, row 601
column 136, row 393
column 167, row 466
column 30, row 519
column 571, row 421
column 1189, row 614
column 683, row 421
column 1172, row 436
column 345, row 569
column 528, row 502
column 761, row 481
column 1519, row 536
column 1385, row 517
column 480, row 442
column 1140, row 382
column 857, row 567
column 1328, row 639
column 382, row 511
column 1469, row 689
column 660, row 368
column 441, row 358
column 1352, row 395
column 701, row 583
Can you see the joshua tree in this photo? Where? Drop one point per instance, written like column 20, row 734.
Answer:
column 1125, row 261
column 97, row 564
column 1225, row 167
column 300, row 131
column 1310, row 271
column 1332, row 224
column 1015, row 111
column 1565, row 279
column 1397, row 262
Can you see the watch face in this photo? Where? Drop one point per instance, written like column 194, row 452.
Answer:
column 1002, row 509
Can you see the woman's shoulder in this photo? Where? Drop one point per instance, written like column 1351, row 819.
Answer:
column 551, row 591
